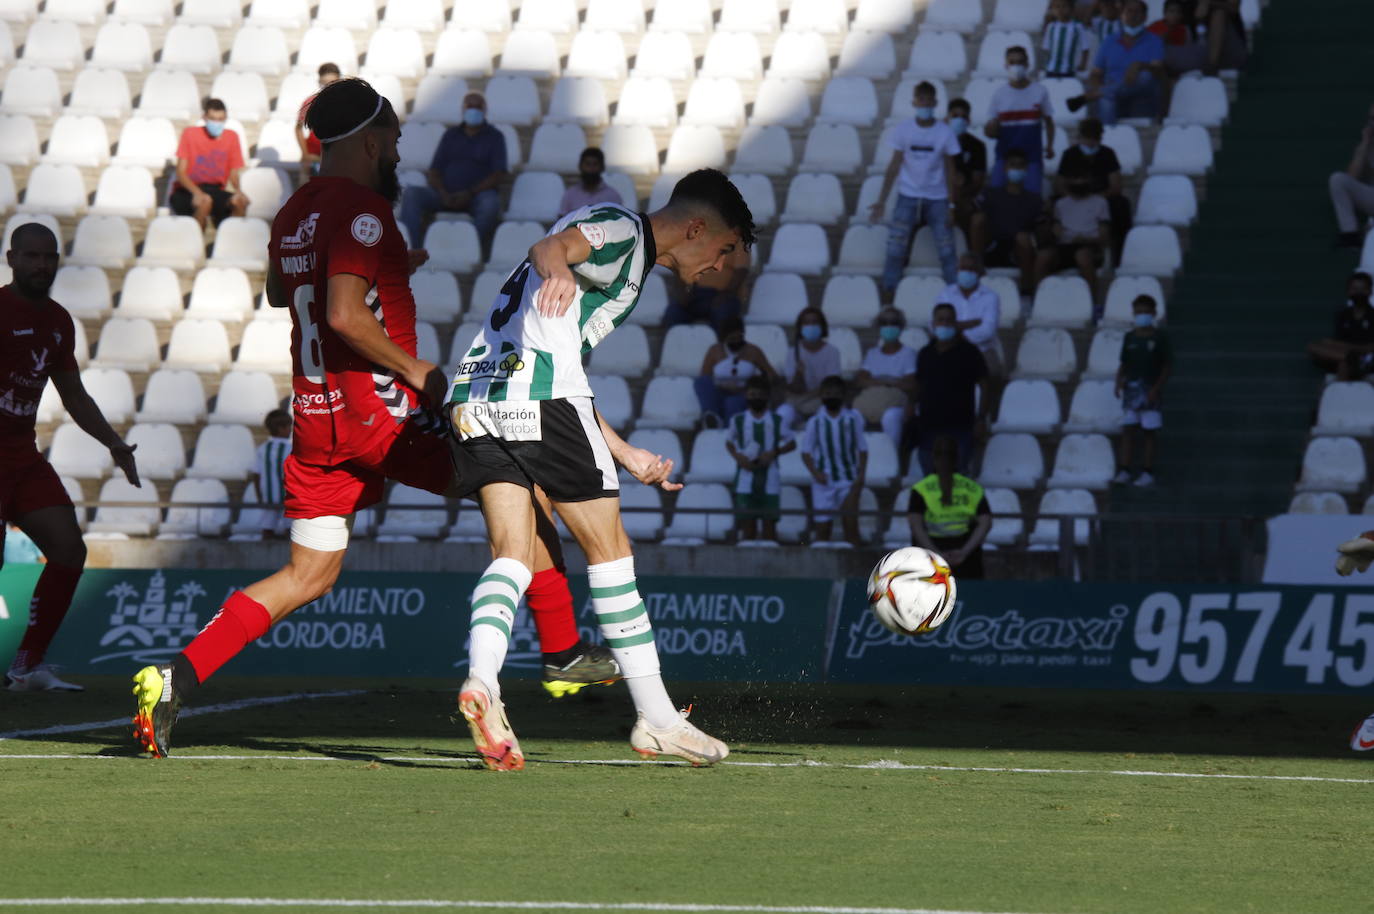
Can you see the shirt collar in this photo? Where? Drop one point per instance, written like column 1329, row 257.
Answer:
column 650, row 248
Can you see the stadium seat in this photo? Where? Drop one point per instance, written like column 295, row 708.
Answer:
column 83, row 290
column 777, row 298
column 1083, row 461
column 266, row 346
column 1182, row 150
column 1012, row 461
column 462, row 340
column 826, row 17
column 923, row 254
column 1062, row 502
column 58, row 190
column 53, row 43
column 613, row 400
column 171, row 94
column 646, row 101
column 597, row 55
column 868, row 54
column 241, row 242
column 266, row 189
column 1318, row 503
column 670, row 403
column 174, row 241
column 557, row 148
column 661, row 443
column 323, row 44
column 102, row 93
column 223, row 452
column 453, row 246
column 891, row 16
column 461, row 52
column 530, row 53
column 153, row 293
column 992, row 53
column 1095, row 407
column 1335, row 463
column 1026, row 15
column 883, row 469
column 123, row 46
column 102, row 241
column 1198, row 100
column 781, row 101
column 244, row 94
column 219, row 14
column 1124, row 140
column 653, row 302
column 954, row 15
column 31, row 91
column 832, row 149
column 691, row 17
column 624, row 353
column 426, row 342
column 702, row 513
column 868, row 195
column 188, row 517
column 75, row 453
column 764, row 149
column 147, row 12
column 1151, row 250
column 493, row 18
column 174, row 396
column 915, row 297
column 193, row 48
column 1104, row 354
column 667, row 54
column 814, row 198
column 420, row 15
column 849, row 100
column 124, row 191
column 149, row 143
column 512, row 241
column 800, row 55
column 694, row 146
column 733, row 55
column 437, row 298
column 1028, row 406
column 129, row 344
column 201, row 346
column 850, row 301
column 710, row 462
column 715, row 102
column 161, row 454
column 557, row 16
column 396, row 52
column 800, row 248
column 614, row 16
column 578, row 100
column 513, row 100
column 354, row 15
column 1062, row 301
column 418, row 142
column 1346, row 408
column 413, row 512
column 1167, row 199
column 1123, row 292
column 1007, row 523
column 757, row 191
column 1060, row 91
column 641, row 511
column 131, row 521
column 863, row 250
column 1046, row 352
column 772, row 339
column 684, row 347
column 293, row 15
column 438, row 99
column 936, row 54
column 221, row 294
column 18, row 140
column 535, row 195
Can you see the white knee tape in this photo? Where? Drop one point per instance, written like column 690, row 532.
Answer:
column 323, row 534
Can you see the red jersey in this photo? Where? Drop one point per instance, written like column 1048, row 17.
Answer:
column 35, row 341
column 344, row 405
column 210, row 160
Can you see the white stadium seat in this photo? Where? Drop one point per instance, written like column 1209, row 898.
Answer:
column 1151, row 250
column 1333, row 463
column 174, row 241
column 130, row 521
column 223, row 452
column 129, row 344
column 615, row 16
column 863, row 250
column 868, row 54
column 1063, row 502
column 784, row 101
column 684, row 347
column 800, row 55
column 714, row 101
column 437, row 297
column 530, row 53
column 58, row 190
column 1095, row 407
column 849, row 100
column 244, row 94
column 1167, row 199
column 53, row 43
column 112, row 390
column 438, row 98
column 800, row 248
column 193, row 48
column 1062, row 301
column 850, row 301
column 1124, row 140
column 413, row 512
column 421, row 15
column 665, row 53
column 173, row 395
column 32, row 91
column 187, row 517
column 241, row 242
column 418, row 142
column 1123, row 292
column 916, row 296
column 148, row 12
column 151, row 292
column 18, row 140
column 1012, row 461
column 1198, row 100
column 462, row 52
column 396, row 52
column 814, row 198
column 559, row 16
column 624, row 353
column 692, row 17
column 1007, row 524
column 883, row 467
column 161, row 454
column 453, row 246
column 937, row 54
column 125, row 191
column 653, row 301
column 201, row 346
column 219, row 14
column 535, row 195
column 1104, row 354
column 647, row 101
column 1318, row 503
column 613, row 400
column 670, row 403
column 710, row 462
column 764, row 149
column 75, row 453
column 245, row 398
column 832, row 149
column 1027, row 15
column 1083, row 461
column 266, row 189
column 494, row 18
column 891, row 16
column 777, row 298
column 222, row 294
column 694, row 146
column 630, row 148
column 1182, row 150
column 827, row 17
column 513, row 100
column 355, row 15
column 597, row 55
column 171, row 94
column 661, row 443
column 557, row 148
column 147, row 142
column 322, row 44
column 1046, row 352
column 757, row 191
column 84, row 291
column 992, row 53
column 1346, row 408
column 100, row 92
column 733, row 55
column 266, row 346
column 123, row 46
column 641, row 511
column 580, row 100
column 102, row 241
column 283, row 14
column 513, row 240
column 1028, row 406
column 702, row 513
column 955, row 15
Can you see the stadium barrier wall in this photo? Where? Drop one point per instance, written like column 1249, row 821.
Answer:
column 1043, row 634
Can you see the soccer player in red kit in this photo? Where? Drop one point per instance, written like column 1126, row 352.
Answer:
column 337, row 259
column 36, row 344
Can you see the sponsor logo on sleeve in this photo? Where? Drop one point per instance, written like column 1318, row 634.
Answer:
column 367, row 229
column 304, row 236
column 594, row 233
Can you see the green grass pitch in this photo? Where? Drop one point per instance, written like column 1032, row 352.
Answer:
column 375, row 796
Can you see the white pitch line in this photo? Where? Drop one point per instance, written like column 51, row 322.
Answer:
column 880, row 765
column 462, row 903
column 239, row 705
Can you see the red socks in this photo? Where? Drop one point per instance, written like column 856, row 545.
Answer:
column 52, row 596
column 550, row 602
column 240, row 621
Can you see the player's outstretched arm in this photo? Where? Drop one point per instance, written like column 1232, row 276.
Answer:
column 349, row 317
column 91, row 420
column 646, row 466
column 1355, row 554
column 550, row 258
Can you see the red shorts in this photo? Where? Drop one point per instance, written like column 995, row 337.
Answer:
column 417, row 458
column 28, row 487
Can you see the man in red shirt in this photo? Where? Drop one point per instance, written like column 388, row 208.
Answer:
column 36, row 345
column 362, row 399
column 209, row 160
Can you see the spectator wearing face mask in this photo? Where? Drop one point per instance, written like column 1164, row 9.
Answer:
column 977, row 311
column 971, row 168
column 950, row 374
column 308, row 142
column 888, row 378
column 810, row 360
column 1065, row 42
column 1352, row 193
column 1126, row 75
column 1019, row 110
column 1082, row 228
column 591, row 186
column 725, row 370
column 1105, row 21
column 464, row 176
column 1349, row 351
column 835, row 453
column 925, row 154
column 755, row 439
column 1004, row 230
column 209, row 161
column 1090, row 154
column 1147, row 358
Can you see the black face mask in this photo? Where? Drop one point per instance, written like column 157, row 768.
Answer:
column 388, row 182
column 832, row 402
column 590, row 180
column 734, row 345
column 758, row 404
column 1080, row 189
column 1359, row 301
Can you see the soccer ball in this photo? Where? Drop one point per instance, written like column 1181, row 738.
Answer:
column 911, row 591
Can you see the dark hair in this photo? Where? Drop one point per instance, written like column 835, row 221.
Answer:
column 941, row 306
column 346, row 105
column 36, row 230
column 1090, row 126
column 728, row 326
column 593, row 152
column 959, row 103
column 1358, row 274
column 834, row 380
column 924, row 87
column 709, row 188
column 210, row 103
column 1016, row 152
column 275, row 416
column 1017, row 49
column 807, row 312
column 1145, row 300
column 328, row 68
column 758, row 382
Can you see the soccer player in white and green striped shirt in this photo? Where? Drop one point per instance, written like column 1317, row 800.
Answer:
column 269, row 476
column 836, row 453
column 1065, row 42
column 522, row 411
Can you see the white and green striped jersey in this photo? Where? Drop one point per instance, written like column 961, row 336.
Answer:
column 521, row 355
column 752, row 435
column 1063, row 45
column 270, row 467
column 835, row 442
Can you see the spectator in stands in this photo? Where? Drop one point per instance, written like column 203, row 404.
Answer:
column 888, row 378
column 1101, row 163
column 1171, row 29
column 755, row 439
column 309, row 143
column 925, row 156
column 1349, row 351
column 1105, row 23
column 591, row 186
column 716, row 297
column 1352, row 193
column 1082, row 230
column 1126, row 79
column 1017, row 111
column 1215, row 36
column 971, row 169
column 836, row 455
column 810, row 361
column 1147, row 358
column 726, row 368
column 1004, row 230
column 1065, row 42
column 465, row 176
column 268, row 479
column 977, row 311
column 209, row 161
column 949, row 512
column 951, row 391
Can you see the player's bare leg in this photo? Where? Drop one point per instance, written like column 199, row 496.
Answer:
column 55, row 532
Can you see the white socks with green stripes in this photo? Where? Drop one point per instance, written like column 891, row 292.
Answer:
column 494, row 599
column 625, row 625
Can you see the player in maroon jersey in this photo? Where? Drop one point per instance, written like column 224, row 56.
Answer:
column 36, row 344
column 361, row 403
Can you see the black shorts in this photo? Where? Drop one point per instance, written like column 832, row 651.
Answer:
column 570, row 460
column 1068, row 254
column 220, row 209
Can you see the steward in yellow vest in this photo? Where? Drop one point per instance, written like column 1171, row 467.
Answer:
column 949, row 513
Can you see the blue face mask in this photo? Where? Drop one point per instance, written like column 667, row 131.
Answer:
column 1016, row 175
column 474, row 117
column 943, row 332
column 889, row 333
column 811, row 332
column 959, row 125
column 925, row 114
column 967, row 279
column 1145, row 319
column 1088, row 150
column 214, row 128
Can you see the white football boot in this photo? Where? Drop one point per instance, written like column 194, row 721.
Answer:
column 682, row 739
column 491, row 732
column 1362, row 740
column 38, row 679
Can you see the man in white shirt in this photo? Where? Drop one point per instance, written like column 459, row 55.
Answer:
column 925, row 157
column 977, row 311
column 1017, row 111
